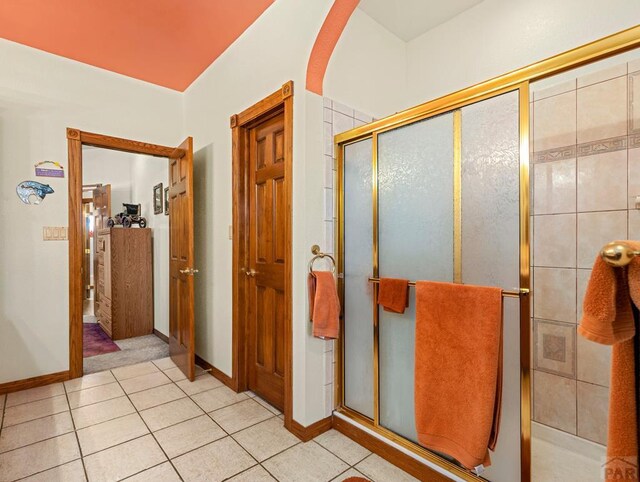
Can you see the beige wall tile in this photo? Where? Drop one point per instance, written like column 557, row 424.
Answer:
column 602, row 110
column 634, row 105
column 554, row 122
column 555, row 347
column 124, row 460
column 634, row 175
column 602, row 75
column 554, row 187
column 214, row 462
column 593, row 409
column 582, row 283
column 602, row 182
column 104, row 435
column 186, row 436
column 555, row 240
column 597, row 229
column 594, row 362
column 556, row 89
column 554, row 401
column 555, row 294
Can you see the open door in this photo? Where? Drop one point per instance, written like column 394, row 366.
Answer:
column 181, row 259
column 101, row 212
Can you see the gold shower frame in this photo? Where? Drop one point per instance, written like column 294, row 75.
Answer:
column 519, row 80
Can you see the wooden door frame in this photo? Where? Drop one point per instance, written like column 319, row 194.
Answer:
column 75, row 140
column 240, row 124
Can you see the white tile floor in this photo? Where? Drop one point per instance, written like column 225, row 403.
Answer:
column 146, row 422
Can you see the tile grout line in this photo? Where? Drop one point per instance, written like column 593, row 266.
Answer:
column 75, row 432
column 150, row 432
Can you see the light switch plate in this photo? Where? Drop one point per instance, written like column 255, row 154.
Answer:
column 230, row 232
column 54, row 233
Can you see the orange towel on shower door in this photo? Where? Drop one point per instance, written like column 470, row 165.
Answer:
column 324, row 304
column 458, row 369
column 393, row 294
column 608, row 319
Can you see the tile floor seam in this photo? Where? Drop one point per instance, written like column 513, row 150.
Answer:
column 51, row 468
column 75, row 432
column 227, row 406
column 334, row 454
column 152, row 434
column 299, row 442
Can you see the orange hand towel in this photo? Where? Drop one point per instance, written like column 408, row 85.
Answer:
column 458, row 369
column 608, row 319
column 324, row 304
column 393, row 294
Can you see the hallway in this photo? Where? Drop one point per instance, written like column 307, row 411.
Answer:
column 146, row 422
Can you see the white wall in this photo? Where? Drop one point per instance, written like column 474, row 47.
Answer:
column 146, row 172
column 40, row 95
column 368, row 68
column 273, row 50
column 497, row 36
column 103, row 166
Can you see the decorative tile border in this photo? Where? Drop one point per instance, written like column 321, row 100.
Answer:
column 557, row 154
column 598, row 147
column 554, row 347
column 588, row 149
column 634, row 121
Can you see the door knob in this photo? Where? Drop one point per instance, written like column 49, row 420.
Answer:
column 189, row 271
column 252, row 273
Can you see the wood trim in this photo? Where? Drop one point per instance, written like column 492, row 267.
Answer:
column 34, row 382
column 387, row 452
column 120, row 144
column 161, row 335
column 75, row 140
column 312, row 431
column 240, row 123
column 223, row 377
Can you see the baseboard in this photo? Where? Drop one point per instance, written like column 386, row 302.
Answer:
column 387, row 452
column 162, row 336
column 34, row 382
column 312, row 431
column 223, row 377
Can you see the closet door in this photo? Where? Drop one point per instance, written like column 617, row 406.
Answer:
column 415, row 228
column 358, row 265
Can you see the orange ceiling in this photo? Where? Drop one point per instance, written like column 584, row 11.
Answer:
column 165, row 42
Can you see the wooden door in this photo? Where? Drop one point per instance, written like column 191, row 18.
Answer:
column 181, row 259
column 87, row 216
column 101, row 212
column 267, row 253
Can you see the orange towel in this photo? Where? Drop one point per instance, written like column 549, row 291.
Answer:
column 393, row 294
column 324, row 304
column 608, row 319
column 458, row 369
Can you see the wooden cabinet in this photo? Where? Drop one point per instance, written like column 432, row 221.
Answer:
column 125, row 282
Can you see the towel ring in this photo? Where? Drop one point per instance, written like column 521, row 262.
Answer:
column 315, row 249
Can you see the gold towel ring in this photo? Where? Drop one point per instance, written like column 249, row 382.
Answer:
column 315, row 249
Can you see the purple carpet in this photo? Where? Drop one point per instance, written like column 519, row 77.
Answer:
column 95, row 341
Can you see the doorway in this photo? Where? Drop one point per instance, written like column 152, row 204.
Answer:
column 139, row 252
column 262, row 173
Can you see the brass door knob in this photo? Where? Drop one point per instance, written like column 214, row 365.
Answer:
column 252, row 273
column 189, row 271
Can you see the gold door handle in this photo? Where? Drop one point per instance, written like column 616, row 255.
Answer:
column 252, row 273
column 189, row 271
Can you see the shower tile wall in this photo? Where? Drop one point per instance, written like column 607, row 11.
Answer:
column 337, row 118
column 585, row 177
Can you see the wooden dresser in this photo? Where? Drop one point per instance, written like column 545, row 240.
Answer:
column 125, row 282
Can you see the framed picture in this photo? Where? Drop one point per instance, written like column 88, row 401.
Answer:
column 157, row 199
column 166, row 201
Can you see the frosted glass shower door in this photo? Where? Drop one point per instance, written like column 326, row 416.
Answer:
column 415, row 226
column 358, row 265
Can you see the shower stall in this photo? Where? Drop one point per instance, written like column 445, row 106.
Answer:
column 515, row 183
